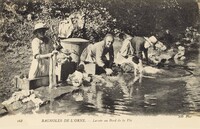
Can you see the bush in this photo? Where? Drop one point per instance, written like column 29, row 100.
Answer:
column 147, row 17
column 140, row 17
column 18, row 19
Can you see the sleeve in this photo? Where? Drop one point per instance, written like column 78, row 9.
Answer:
column 99, row 53
column 111, row 54
column 124, row 49
column 35, row 47
column 146, row 55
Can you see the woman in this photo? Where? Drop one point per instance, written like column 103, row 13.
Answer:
column 134, row 47
column 96, row 53
column 41, row 52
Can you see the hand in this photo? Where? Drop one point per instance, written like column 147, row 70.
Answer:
column 140, row 67
column 54, row 52
column 108, row 71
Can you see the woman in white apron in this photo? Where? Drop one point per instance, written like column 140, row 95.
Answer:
column 41, row 52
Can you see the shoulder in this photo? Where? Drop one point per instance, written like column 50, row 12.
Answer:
column 126, row 42
column 35, row 41
column 99, row 44
column 138, row 39
column 128, row 39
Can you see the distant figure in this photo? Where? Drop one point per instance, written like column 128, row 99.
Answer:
column 41, row 52
column 133, row 47
column 96, row 53
column 180, row 54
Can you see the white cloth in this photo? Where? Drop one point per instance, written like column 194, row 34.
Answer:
column 65, row 28
column 77, row 79
column 126, row 48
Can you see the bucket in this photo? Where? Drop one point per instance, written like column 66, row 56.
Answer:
column 75, row 46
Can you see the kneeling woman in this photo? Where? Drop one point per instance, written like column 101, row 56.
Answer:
column 41, row 52
column 96, row 53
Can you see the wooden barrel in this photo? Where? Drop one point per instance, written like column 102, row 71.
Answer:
column 75, row 46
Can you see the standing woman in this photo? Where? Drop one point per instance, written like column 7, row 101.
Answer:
column 41, row 52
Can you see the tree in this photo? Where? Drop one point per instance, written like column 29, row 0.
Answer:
column 135, row 17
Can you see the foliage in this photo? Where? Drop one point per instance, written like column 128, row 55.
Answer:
column 146, row 17
column 18, row 18
column 140, row 17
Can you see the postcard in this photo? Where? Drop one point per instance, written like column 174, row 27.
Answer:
column 100, row 64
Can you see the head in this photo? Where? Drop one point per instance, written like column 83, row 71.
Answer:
column 40, row 30
column 122, row 36
column 150, row 41
column 109, row 39
column 40, row 33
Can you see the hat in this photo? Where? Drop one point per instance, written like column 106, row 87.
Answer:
column 40, row 26
column 151, row 39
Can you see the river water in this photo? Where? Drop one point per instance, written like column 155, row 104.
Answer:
column 173, row 93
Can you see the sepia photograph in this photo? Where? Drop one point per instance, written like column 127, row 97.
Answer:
column 88, row 63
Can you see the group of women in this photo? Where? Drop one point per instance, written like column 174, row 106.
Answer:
column 131, row 51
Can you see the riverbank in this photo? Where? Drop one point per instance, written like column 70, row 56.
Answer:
column 17, row 61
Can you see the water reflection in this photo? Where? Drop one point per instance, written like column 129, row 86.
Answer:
column 126, row 97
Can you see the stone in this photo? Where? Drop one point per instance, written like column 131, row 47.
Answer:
column 3, row 112
column 26, row 100
column 15, row 106
column 1, row 106
column 177, row 43
column 98, row 80
column 78, row 97
column 151, row 70
column 127, row 67
column 191, row 65
column 30, row 104
column 37, row 101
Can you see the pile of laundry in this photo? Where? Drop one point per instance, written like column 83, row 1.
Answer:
column 21, row 98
